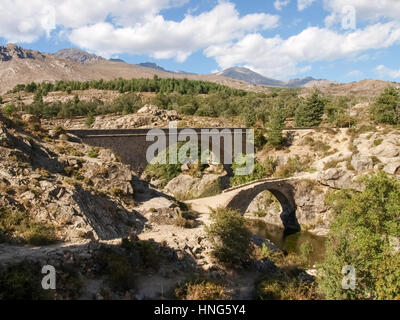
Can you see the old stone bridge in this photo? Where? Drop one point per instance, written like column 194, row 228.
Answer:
column 301, row 205
column 239, row 198
column 132, row 144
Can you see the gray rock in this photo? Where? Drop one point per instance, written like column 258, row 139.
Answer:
column 362, row 163
column 392, row 167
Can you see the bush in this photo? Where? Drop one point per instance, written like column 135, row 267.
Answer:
column 93, row 153
column 270, row 165
column 147, row 251
column 259, row 139
column 164, row 172
column 275, row 289
column 17, row 226
column 362, row 235
column 386, row 108
column 9, row 109
column 89, row 120
column 22, row 281
column 337, row 111
column 183, row 222
column 293, row 165
column 230, row 237
column 201, row 290
column 117, row 268
column 258, row 172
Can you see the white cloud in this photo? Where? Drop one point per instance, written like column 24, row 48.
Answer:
column 303, row 4
column 385, row 72
column 280, row 4
column 26, row 21
column 279, row 58
column 169, row 39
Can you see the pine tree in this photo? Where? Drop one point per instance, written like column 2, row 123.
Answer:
column 276, row 124
column 309, row 113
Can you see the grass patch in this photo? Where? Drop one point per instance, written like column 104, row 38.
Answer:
column 201, row 290
column 18, row 227
column 293, row 165
column 378, row 142
column 276, row 289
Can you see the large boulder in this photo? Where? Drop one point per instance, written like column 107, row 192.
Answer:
column 337, row 178
column 29, row 118
column 362, row 163
column 386, row 150
column 187, row 187
column 392, row 167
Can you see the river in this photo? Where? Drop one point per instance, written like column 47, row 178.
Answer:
column 291, row 242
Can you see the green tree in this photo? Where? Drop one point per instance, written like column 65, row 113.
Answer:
column 386, row 108
column 276, row 125
column 310, row 112
column 230, row 237
column 364, row 235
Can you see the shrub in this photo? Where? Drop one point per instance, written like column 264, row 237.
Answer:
column 116, row 192
column 378, row 142
column 93, row 153
column 337, row 111
column 259, row 139
column 116, row 266
column 89, row 120
column 386, row 108
column 59, row 130
column 275, row 289
column 147, row 250
column 292, row 166
column 361, row 235
column 183, row 222
column 201, row 290
column 230, row 237
column 257, row 173
column 17, row 226
column 164, row 172
column 22, row 281
column 270, row 165
column 9, row 109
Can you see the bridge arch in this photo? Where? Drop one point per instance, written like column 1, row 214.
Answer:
column 284, row 193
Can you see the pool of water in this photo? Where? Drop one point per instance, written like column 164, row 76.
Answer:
column 291, row 242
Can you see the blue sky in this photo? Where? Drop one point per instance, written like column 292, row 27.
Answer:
column 342, row 40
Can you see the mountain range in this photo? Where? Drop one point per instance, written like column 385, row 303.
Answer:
column 19, row 65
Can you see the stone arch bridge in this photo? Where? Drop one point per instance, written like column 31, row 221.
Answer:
column 131, row 146
column 239, row 198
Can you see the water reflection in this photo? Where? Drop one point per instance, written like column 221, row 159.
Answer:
column 290, row 241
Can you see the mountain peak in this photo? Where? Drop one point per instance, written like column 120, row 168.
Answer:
column 152, row 65
column 78, row 55
column 13, row 51
column 247, row 75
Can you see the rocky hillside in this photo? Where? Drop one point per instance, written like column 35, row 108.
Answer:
column 69, row 205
